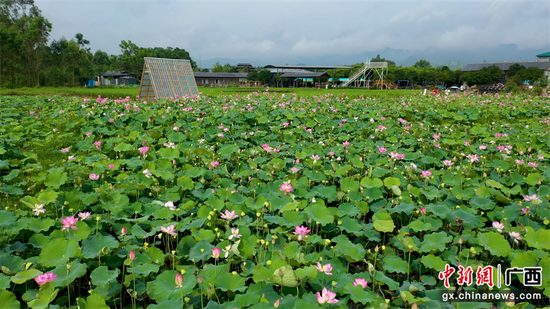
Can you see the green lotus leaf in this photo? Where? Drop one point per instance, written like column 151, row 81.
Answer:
column 539, row 240
column 383, row 222
column 24, row 276
column 285, row 276
column 395, row 264
column 195, row 172
column 164, row 286
column 9, row 300
column 102, row 275
column 92, row 302
column 168, row 303
column 76, row 270
column 58, row 251
column 349, row 184
column 391, row 181
column 371, row 183
column 46, row 295
column 5, row 281
column 228, row 150
column 360, row 295
column 202, row 250
column 434, row 262
column 230, row 282
column 435, row 241
column 56, row 178
column 319, row 214
column 495, row 242
column 95, row 244
column 419, row 226
column 7, row 218
column 123, row 147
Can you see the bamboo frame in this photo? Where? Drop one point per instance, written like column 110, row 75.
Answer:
column 167, row 78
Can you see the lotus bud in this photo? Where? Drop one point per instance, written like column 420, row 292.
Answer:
column 179, row 281
column 132, row 255
column 199, row 279
column 277, row 303
column 123, row 231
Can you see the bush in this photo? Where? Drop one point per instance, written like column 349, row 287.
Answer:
column 537, row 90
column 511, row 86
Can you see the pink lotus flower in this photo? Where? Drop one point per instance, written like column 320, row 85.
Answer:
column 327, row 297
column 381, row 128
column 360, row 281
column 294, row 169
column 94, row 176
column 301, row 231
column 97, row 143
column 516, row 236
column 286, row 188
column 64, row 150
column 533, row 164
column 144, row 150
column 325, row 268
column 345, row 144
column 39, row 209
column 436, row 136
column 235, row 234
column 482, row 147
column 498, row 226
column 84, row 215
column 216, row 252
column 525, row 211
column 448, row 163
column 214, row 164
column 44, row 278
column 229, row 215
column 423, row 210
column 473, row 158
column 382, row 149
column 111, row 166
column 179, row 280
column 169, row 230
column 466, row 143
column 531, row 198
column 426, row 174
column 69, row 222
column 176, row 128
column 397, row 156
column 331, row 153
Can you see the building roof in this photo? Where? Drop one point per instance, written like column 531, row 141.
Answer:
column 544, row 55
column 307, row 67
column 505, row 66
column 220, row 75
column 304, row 74
column 115, row 74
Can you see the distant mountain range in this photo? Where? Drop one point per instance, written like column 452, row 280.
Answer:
column 506, row 52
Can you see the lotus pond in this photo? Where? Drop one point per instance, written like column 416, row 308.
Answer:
column 269, row 200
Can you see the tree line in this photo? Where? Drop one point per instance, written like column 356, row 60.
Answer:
column 27, row 60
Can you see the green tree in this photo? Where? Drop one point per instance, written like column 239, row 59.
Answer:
column 379, row 59
column 264, row 76
column 422, row 63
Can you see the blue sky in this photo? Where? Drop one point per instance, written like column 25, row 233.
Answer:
column 312, row 32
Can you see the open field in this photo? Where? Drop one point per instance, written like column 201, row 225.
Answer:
column 258, row 200
column 117, row 93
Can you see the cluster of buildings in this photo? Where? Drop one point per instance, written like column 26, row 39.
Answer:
column 301, row 75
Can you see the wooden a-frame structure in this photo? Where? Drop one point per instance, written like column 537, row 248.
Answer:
column 167, row 78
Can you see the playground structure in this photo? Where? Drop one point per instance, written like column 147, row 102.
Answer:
column 382, row 84
column 404, row 84
column 371, row 73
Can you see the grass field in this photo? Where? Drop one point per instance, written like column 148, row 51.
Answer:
column 214, row 92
